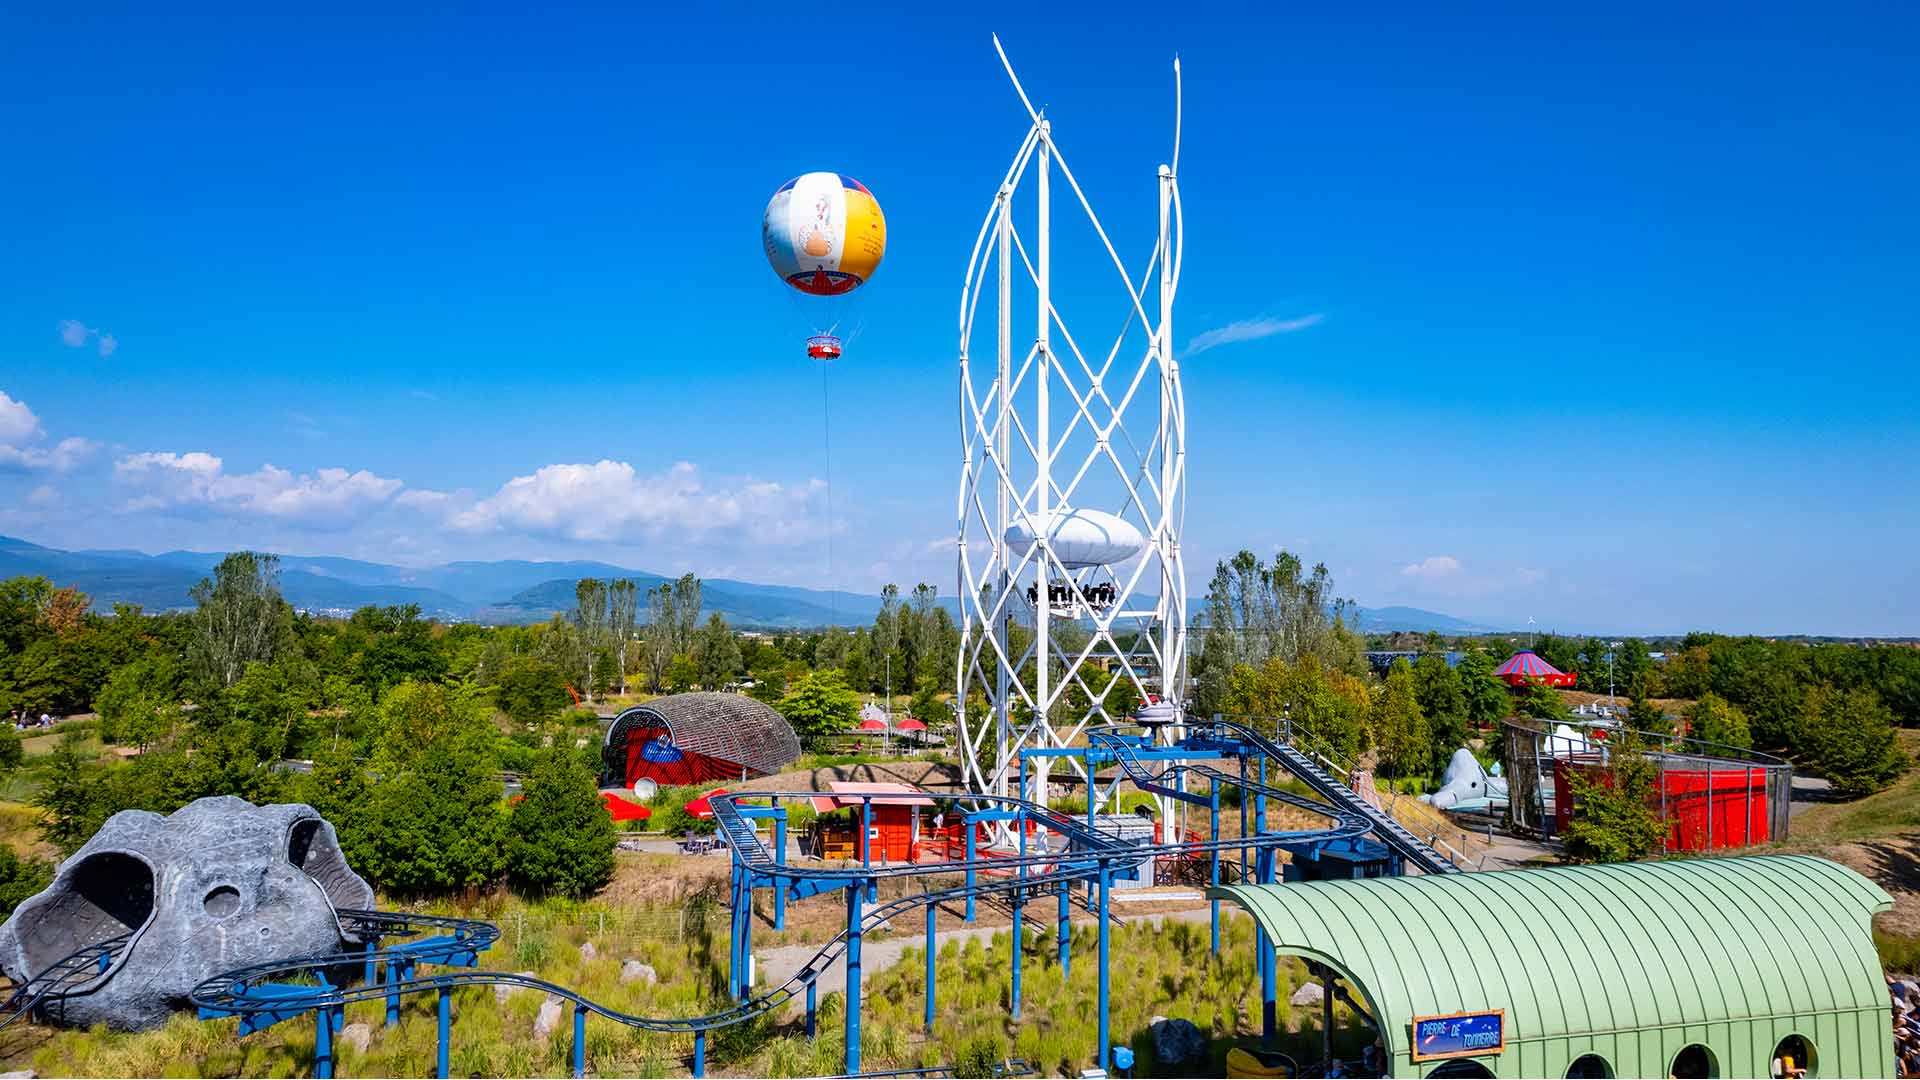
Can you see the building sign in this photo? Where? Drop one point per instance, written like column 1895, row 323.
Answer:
column 1459, row 1035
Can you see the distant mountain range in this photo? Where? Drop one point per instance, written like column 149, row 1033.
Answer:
column 505, row 591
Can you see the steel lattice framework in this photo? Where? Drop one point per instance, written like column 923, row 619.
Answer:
column 1053, row 427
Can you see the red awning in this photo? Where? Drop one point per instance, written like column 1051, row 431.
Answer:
column 624, row 809
column 700, row 807
column 873, row 725
column 908, row 723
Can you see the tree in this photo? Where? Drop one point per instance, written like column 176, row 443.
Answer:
column 435, row 825
column 240, row 617
column 416, row 717
column 1486, row 698
column 133, row 696
column 1644, row 715
column 820, row 704
column 20, row 879
column 622, row 613
column 13, row 749
column 1257, row 612
column 70, row 810
column 1614, row 817
column 590, row 618
column 716, row 653
column 683, row 674
column 1713, row 719
column 1443, row 701
column 927, row 708
column 1543, row 702
column 400, row 646
column 559, row 836
column 1399, row 726
column 673, row 610
column 1849, row 738
column 530, row 690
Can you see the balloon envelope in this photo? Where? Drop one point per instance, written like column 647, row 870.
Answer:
column 824, row 233
column 1081, row 538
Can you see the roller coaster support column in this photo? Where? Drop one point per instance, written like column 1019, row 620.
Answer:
column 1064, row 931
column 700, row 1050
column 779, row 859
column 856, row 891
column 866, row 846
column 579, row 1040
column 371, row 946
column 1243, row 817
column 738, row 886
column 396, row 973
column 1019, row 908
column 933, row 910
column 323, row 1043
column 440, row 1064
column 1269, row 996
column 1214, row 858
column 971, row 855
column 1106, row 893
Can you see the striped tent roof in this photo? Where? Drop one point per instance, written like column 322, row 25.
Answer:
column 1526, row 662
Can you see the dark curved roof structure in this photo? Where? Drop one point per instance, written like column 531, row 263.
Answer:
column 731, row 728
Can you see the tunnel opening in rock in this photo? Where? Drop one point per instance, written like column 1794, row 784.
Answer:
column 314, row 850
column 108, row 894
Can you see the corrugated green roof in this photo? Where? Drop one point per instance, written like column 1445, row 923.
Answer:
column 1633, row 961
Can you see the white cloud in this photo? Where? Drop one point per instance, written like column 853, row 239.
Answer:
column 200, row 479
column 1445, row 575
column 44, row 495
column 611, row 501
column 1248, row 330
column 18, row 425
column 75, row 334
column 19, row 429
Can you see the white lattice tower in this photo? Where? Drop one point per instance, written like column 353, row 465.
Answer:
column 1049, row 426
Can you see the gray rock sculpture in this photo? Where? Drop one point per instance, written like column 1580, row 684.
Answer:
column 1310, row 993
column 1176, row 1041
column 635, row 971
column 588, row 952
column 548, row 1019
column 217, row 885
column 357, row 1035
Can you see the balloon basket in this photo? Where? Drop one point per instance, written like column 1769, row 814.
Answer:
column 823, row 347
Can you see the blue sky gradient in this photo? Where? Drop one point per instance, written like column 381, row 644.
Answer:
column 1604, row 319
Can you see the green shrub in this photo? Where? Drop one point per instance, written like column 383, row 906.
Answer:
column 559, row 836
column 20, row 878
column 1614, row 818
column 1848, row 735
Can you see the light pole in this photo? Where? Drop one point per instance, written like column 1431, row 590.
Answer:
column 1612, row 647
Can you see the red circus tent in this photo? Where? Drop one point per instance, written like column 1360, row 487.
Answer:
column 1526, row 666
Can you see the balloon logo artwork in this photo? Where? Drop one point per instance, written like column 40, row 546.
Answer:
column 824, row 235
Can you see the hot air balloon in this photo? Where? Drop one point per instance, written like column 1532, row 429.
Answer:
column 824, row 236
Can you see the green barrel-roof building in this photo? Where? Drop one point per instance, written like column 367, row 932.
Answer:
column 1633, row 964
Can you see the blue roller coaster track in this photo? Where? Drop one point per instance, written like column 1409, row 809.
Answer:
column 1055, row 853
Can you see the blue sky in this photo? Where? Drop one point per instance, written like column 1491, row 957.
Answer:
column 1602, row 319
